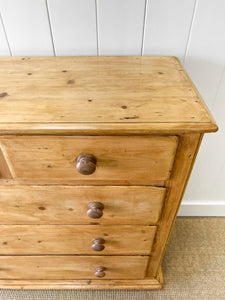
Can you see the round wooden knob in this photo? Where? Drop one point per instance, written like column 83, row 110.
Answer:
column 100, row 271
column 95, row 210
column 86, row 164
column 98, row 244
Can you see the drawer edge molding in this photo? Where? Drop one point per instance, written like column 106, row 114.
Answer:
column 119, row 158
column 75, row 239
column 70, row 204
column 71, row 267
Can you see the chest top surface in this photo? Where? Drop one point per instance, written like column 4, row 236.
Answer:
column 116, row 95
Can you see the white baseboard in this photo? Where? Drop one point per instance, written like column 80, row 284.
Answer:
column 202, row 209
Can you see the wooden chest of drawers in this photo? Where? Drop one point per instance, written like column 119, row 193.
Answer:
column 95, row 154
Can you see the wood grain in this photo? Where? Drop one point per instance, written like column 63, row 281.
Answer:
column 71, row 267
column 118, row 158
column 186, row 154
column 69, row 204
column 4, row 167
column 105, row 110
column 96, row 91
column 116, row 284
column 60, row 182
column 205, row 53
column 119, row 129
column 75, row 239
column 140, row 120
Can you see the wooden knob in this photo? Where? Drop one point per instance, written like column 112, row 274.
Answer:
column 98, row 244
column 100, row 271
column 86, row 164
column 95, row 210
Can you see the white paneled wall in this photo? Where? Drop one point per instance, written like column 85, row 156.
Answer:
column 167, row 27
column 27, row 27
column 74, row 27
column 205, row 57
column 193, row 30
column 120, row 26
column 205, row 63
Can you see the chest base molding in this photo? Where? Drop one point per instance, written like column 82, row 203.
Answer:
column 97, row 284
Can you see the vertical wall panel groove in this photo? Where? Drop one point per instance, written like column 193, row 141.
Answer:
column 120, row 26
column 167, row 27
column 4, row 43
column 50, row 26
column 190, row 30
column 73, row 26
column 205, row 57
column 27, row 27
column 97, row 29
column 144, row 27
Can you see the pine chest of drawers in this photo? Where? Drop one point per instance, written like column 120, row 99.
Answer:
column 95, row 154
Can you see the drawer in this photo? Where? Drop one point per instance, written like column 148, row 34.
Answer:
column 72, row 267
column 82, row 239
column 69, row 204
column 126, row 159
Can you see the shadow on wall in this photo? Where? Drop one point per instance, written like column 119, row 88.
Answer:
column 206, row 75
column 207, row 180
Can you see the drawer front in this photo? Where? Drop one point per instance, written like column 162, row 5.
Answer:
column 82, row 239
column 110, row 158
column 72, row 267
column 69, row 205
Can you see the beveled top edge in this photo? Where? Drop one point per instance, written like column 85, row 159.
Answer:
column 143, row 102
column 106, row 129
